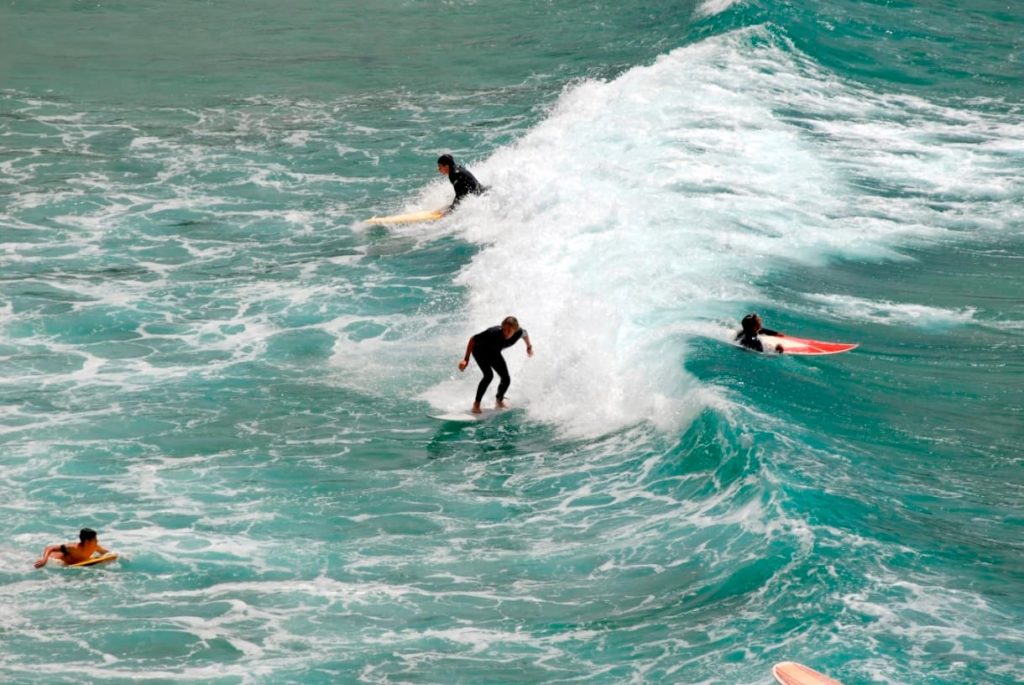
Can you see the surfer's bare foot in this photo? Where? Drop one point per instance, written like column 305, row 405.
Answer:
column 500, row 404
column 476, row 409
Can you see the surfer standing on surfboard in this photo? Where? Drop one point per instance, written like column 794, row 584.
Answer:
column 70, row 553
column 751, row 329
column 486, row 347
column 464, row 182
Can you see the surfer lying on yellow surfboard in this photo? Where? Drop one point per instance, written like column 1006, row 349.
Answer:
column 71, row 553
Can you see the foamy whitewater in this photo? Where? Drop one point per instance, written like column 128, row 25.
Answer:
column 208, row 356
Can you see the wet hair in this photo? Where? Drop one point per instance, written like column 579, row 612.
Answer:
column 446, row 160
column 750, row 323
column 511, row 321
column 86, row 534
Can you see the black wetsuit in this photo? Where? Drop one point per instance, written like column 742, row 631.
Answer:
column 752, row 341
column 487, row 347
column 464, row 183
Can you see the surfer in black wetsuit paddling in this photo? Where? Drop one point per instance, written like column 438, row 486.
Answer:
column 486, row 347
column 751, row 329
column 464, row 182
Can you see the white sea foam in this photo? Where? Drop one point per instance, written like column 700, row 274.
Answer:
column 710, row 8
column 893, row 313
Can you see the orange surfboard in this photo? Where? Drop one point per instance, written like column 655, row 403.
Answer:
column 791, row 345
column 792, row 673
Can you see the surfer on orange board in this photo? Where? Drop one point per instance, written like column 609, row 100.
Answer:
column 752, row 327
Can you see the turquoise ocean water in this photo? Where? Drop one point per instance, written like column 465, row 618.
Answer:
column 207, row 357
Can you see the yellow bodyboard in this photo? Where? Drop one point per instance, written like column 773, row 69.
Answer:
column 109, row 556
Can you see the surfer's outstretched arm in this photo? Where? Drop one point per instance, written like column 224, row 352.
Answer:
column 52, row 550
column 469, row 350
column 529, row 345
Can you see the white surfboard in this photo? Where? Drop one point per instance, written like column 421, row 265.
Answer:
column 457, row 417
column 466, row 416
column 411, row 218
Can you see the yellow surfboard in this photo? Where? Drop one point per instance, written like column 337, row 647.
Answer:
column 792, row 673
column 109, row 556
column 413, row 218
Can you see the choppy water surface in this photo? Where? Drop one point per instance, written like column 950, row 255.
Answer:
column 206, row 356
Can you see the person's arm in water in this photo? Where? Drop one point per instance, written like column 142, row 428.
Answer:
column 529, row 345
column 469, row 350
column 50, row 551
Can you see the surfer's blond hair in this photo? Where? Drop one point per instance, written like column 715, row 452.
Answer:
column 511, row 321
